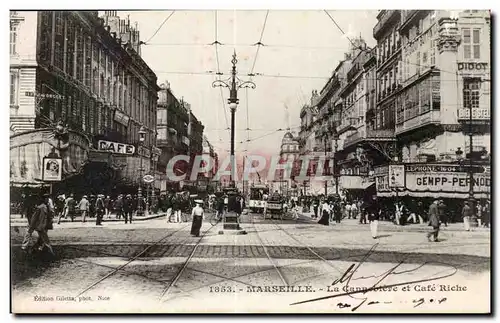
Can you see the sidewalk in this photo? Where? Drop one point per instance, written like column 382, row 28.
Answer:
column 17, row 220
column 389, row 226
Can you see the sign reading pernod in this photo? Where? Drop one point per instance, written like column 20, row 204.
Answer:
column 447, row 182
column 116, row 147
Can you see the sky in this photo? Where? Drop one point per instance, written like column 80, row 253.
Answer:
column 304, row 44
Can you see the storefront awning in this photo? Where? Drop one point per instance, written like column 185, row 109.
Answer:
column 450, row 195
column 355, row 182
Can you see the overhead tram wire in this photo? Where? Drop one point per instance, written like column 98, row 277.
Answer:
column 157, row 30
column 218, row 72
column 364, row 50
column 210, row 73
column 259, row 44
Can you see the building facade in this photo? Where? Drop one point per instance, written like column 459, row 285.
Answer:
column 71, row 68
column 179, row 133
column 446, row 77
column 289, row 150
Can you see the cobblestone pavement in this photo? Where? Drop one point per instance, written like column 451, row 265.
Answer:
column 124, row 268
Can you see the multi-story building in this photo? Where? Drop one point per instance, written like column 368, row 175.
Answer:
column 289, row 150
column 69, row 67
column 307, row 139
column 446, row 76
column 179, row 133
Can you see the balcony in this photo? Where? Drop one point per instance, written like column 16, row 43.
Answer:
column 423, row 120
column 388, row 17
column 369, row 135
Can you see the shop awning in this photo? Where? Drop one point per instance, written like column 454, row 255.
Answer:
column 450, row 195
column 355, row 182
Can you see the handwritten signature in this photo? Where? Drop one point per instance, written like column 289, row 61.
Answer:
column 348, row 276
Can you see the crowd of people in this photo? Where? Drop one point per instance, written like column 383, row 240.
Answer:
column 41, row 210
column 400, row 212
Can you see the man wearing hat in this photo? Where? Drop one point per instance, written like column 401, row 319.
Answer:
column 128, row 208
column 434, row 221
column 467, row 213
column 40, row 222
column 99, row 208
column 84, row 207
column 197, row 215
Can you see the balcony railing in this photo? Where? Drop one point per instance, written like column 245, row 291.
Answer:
column 379, row 133
column 369, row 134
column 383, row 22
column 430, row 117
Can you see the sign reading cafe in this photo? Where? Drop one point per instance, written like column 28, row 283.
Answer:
column 115, row 147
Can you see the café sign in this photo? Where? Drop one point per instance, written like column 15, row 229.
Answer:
column 115, row 147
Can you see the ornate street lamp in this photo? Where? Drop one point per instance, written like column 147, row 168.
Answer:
column 233, row 83
column 142, row 138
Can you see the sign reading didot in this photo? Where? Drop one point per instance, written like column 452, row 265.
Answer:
column 116, row 147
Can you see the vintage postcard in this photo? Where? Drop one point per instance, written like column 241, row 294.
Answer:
column 250, row 161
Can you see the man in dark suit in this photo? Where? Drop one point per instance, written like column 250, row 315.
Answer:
column 434, row 221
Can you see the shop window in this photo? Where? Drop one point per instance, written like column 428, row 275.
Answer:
column 472, row 87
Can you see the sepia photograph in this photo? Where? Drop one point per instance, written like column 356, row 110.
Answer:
column 250, row 161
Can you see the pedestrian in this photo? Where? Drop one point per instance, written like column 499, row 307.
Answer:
column 337, row 209
column 69, row 208
column 197, row 214
column 128, row 208
column 118, row 205
column 84, row 207
column 100, row 208
column 486, row 215
column 91, row 209
column 220, row 207
column 354, row 210
column 443, row 216
column 325, row 213
column 373, row 210
column 466, row 215
column 398, row 212
column 176, row 209
column 315, row 205
column 108, row 206
column 434, row 221
column 40, row 222
column 296, row 209
column 479, row 214
column 348, row 210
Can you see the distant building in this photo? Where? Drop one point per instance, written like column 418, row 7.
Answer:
column 179, row 133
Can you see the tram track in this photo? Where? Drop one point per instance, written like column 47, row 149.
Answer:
column 115, row 270
column 183, row 266
column 276, row 267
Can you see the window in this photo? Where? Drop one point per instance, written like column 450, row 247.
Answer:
column 466, row 38
column 471, row 91
column 13, row 38
column 418, row 63
column 424, row 59
column 13, row 88
column 433, row 53
column 476, row 43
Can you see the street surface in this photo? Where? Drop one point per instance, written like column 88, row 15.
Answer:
column 156, row 266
